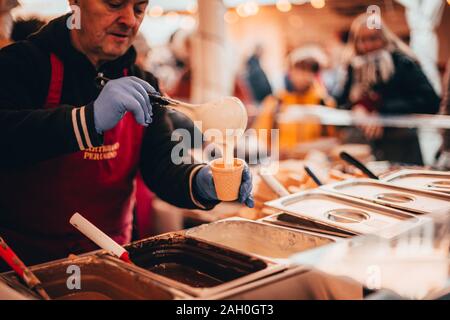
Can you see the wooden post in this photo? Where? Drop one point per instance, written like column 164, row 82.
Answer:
column 211, row 78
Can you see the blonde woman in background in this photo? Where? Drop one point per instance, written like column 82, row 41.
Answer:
column 384, row 78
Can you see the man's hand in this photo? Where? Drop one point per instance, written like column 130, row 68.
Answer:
column 204, row 186
column 128, row 94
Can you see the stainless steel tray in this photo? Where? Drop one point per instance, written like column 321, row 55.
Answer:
column 437, row 181
column 413, row 200
column 345, row 213
column 263, row 240
column 196, row 267
column 101, row 279
column 299, row 283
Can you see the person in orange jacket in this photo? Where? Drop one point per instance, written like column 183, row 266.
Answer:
column 303, row 87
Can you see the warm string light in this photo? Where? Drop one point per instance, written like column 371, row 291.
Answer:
column 284, row 5
column 319, row 4
column 252, row 7
column 247, row 9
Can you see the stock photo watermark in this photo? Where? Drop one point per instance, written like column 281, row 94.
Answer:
column 74, row 280
column 373, row 280
column 74, row 21
column 373, row 17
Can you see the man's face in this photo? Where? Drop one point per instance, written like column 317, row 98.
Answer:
column 109, row 27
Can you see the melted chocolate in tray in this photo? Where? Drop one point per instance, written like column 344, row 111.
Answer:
column 101, row 279
column 192, row 262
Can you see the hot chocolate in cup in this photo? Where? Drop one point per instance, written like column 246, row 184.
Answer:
column 227, row 179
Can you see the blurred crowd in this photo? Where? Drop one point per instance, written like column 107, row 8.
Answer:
column 376, row 74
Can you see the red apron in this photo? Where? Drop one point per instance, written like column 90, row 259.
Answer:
column 37, row 202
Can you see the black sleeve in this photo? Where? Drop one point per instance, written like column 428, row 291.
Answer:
column 416, row 93
column 172, row 182
column 29, row 133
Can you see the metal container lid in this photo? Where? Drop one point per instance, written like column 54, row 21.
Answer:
column 341, row 212
column 413, row 200
column 261, row 239
column 437, row 181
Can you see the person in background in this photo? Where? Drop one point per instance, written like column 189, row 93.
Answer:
column 384, row 78
column 143, row 51
column 256, row 77
column 6, row 21
column 23, row 28
column 181, row 46
column 444, row 156
column 303, row 87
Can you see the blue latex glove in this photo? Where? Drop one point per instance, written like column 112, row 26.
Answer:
column 128, row 94
column 204, row 186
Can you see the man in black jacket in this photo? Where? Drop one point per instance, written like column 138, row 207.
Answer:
column 68, row 146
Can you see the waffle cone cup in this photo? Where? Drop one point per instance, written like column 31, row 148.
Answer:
column 227, row 180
